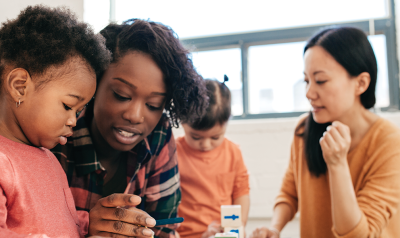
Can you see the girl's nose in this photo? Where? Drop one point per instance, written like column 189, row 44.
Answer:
column 71, row 121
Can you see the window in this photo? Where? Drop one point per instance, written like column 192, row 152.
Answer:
column 259, row 44
column 209, row 17
column 215, row 64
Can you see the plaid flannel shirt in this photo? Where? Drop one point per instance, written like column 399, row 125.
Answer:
column 152, row 172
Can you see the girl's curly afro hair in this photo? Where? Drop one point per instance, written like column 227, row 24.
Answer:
column 41, row 37
column 186, row 92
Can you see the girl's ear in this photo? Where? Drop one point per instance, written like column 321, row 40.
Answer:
column 17, row 83
column 363, row 81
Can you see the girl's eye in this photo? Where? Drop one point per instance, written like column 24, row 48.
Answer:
column 79, row 112
column 306, row 81
column 120, row 98
column 215, row 138
column 66, row 107
column 195, row 138
column 153, row 108
column 321, row 81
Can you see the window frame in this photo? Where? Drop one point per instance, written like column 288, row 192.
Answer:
column 385, row 26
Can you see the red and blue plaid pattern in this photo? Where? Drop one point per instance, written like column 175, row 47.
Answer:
column 152, row 172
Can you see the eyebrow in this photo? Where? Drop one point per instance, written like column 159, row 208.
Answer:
column 75, row 96
column 316, row 72
column 133, row 86
column 194, row 134
column 125, row 82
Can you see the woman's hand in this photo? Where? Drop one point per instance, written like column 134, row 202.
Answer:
column 213, row 228
column 335, row 144
column 264, row 232
column 109, row 217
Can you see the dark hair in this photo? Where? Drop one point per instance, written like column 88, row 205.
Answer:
column 219, row 107
column 186, row 92
column 350, row 48
column 41, row 37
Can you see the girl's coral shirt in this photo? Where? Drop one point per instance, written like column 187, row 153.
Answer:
column 34, row 194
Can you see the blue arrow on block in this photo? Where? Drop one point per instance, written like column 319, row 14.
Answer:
column 235, row 231
column 233, row 217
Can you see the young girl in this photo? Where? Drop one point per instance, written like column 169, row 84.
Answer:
column 211, row 166
column 344, row 170
column 48, row 66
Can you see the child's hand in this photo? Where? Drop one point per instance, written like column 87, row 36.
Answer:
column 264, row 233
column 335, row 143
column 213, row 228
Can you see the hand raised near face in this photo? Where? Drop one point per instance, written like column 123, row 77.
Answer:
column 335, row 143
column 110, row 218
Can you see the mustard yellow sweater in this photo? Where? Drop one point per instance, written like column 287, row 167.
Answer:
column 375, row 171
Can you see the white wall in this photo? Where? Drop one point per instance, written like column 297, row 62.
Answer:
column 11, row 9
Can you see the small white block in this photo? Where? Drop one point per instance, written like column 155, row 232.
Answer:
column 238, row 230
column 231, row 215
column 227, row 235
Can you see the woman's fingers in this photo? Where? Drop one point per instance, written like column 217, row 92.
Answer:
column 110, row 216
column 121, row 228
column 133, row 216
column 120, row 200
column 336, row 136
column 343, row 129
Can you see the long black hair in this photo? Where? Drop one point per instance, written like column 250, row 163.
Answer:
column 350, row 47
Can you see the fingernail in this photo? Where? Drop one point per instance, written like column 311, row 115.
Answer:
column 148, row 232
column 329, row 128
column 150, row 221
column 324, row 134
column 135, row 199
column 320, row 139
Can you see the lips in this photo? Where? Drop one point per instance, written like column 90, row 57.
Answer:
column 316, row 108
column 63, row 139
column 127, row 135
column 68, row 135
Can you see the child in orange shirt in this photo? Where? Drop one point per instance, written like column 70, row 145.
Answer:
column 212, row 169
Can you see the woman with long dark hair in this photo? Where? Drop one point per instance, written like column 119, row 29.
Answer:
column 344, row 172
column 121, row 161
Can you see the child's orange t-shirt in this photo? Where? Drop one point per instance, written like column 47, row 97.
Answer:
column 208, row 180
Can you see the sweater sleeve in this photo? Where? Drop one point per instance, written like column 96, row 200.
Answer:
column 288, row 192
column 241, row 186
column 380, row 194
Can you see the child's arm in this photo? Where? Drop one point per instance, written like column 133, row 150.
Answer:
column 244, row 201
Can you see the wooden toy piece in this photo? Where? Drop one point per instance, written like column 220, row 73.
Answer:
column 231, row 215
column 238, row 230
column 227, row 235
